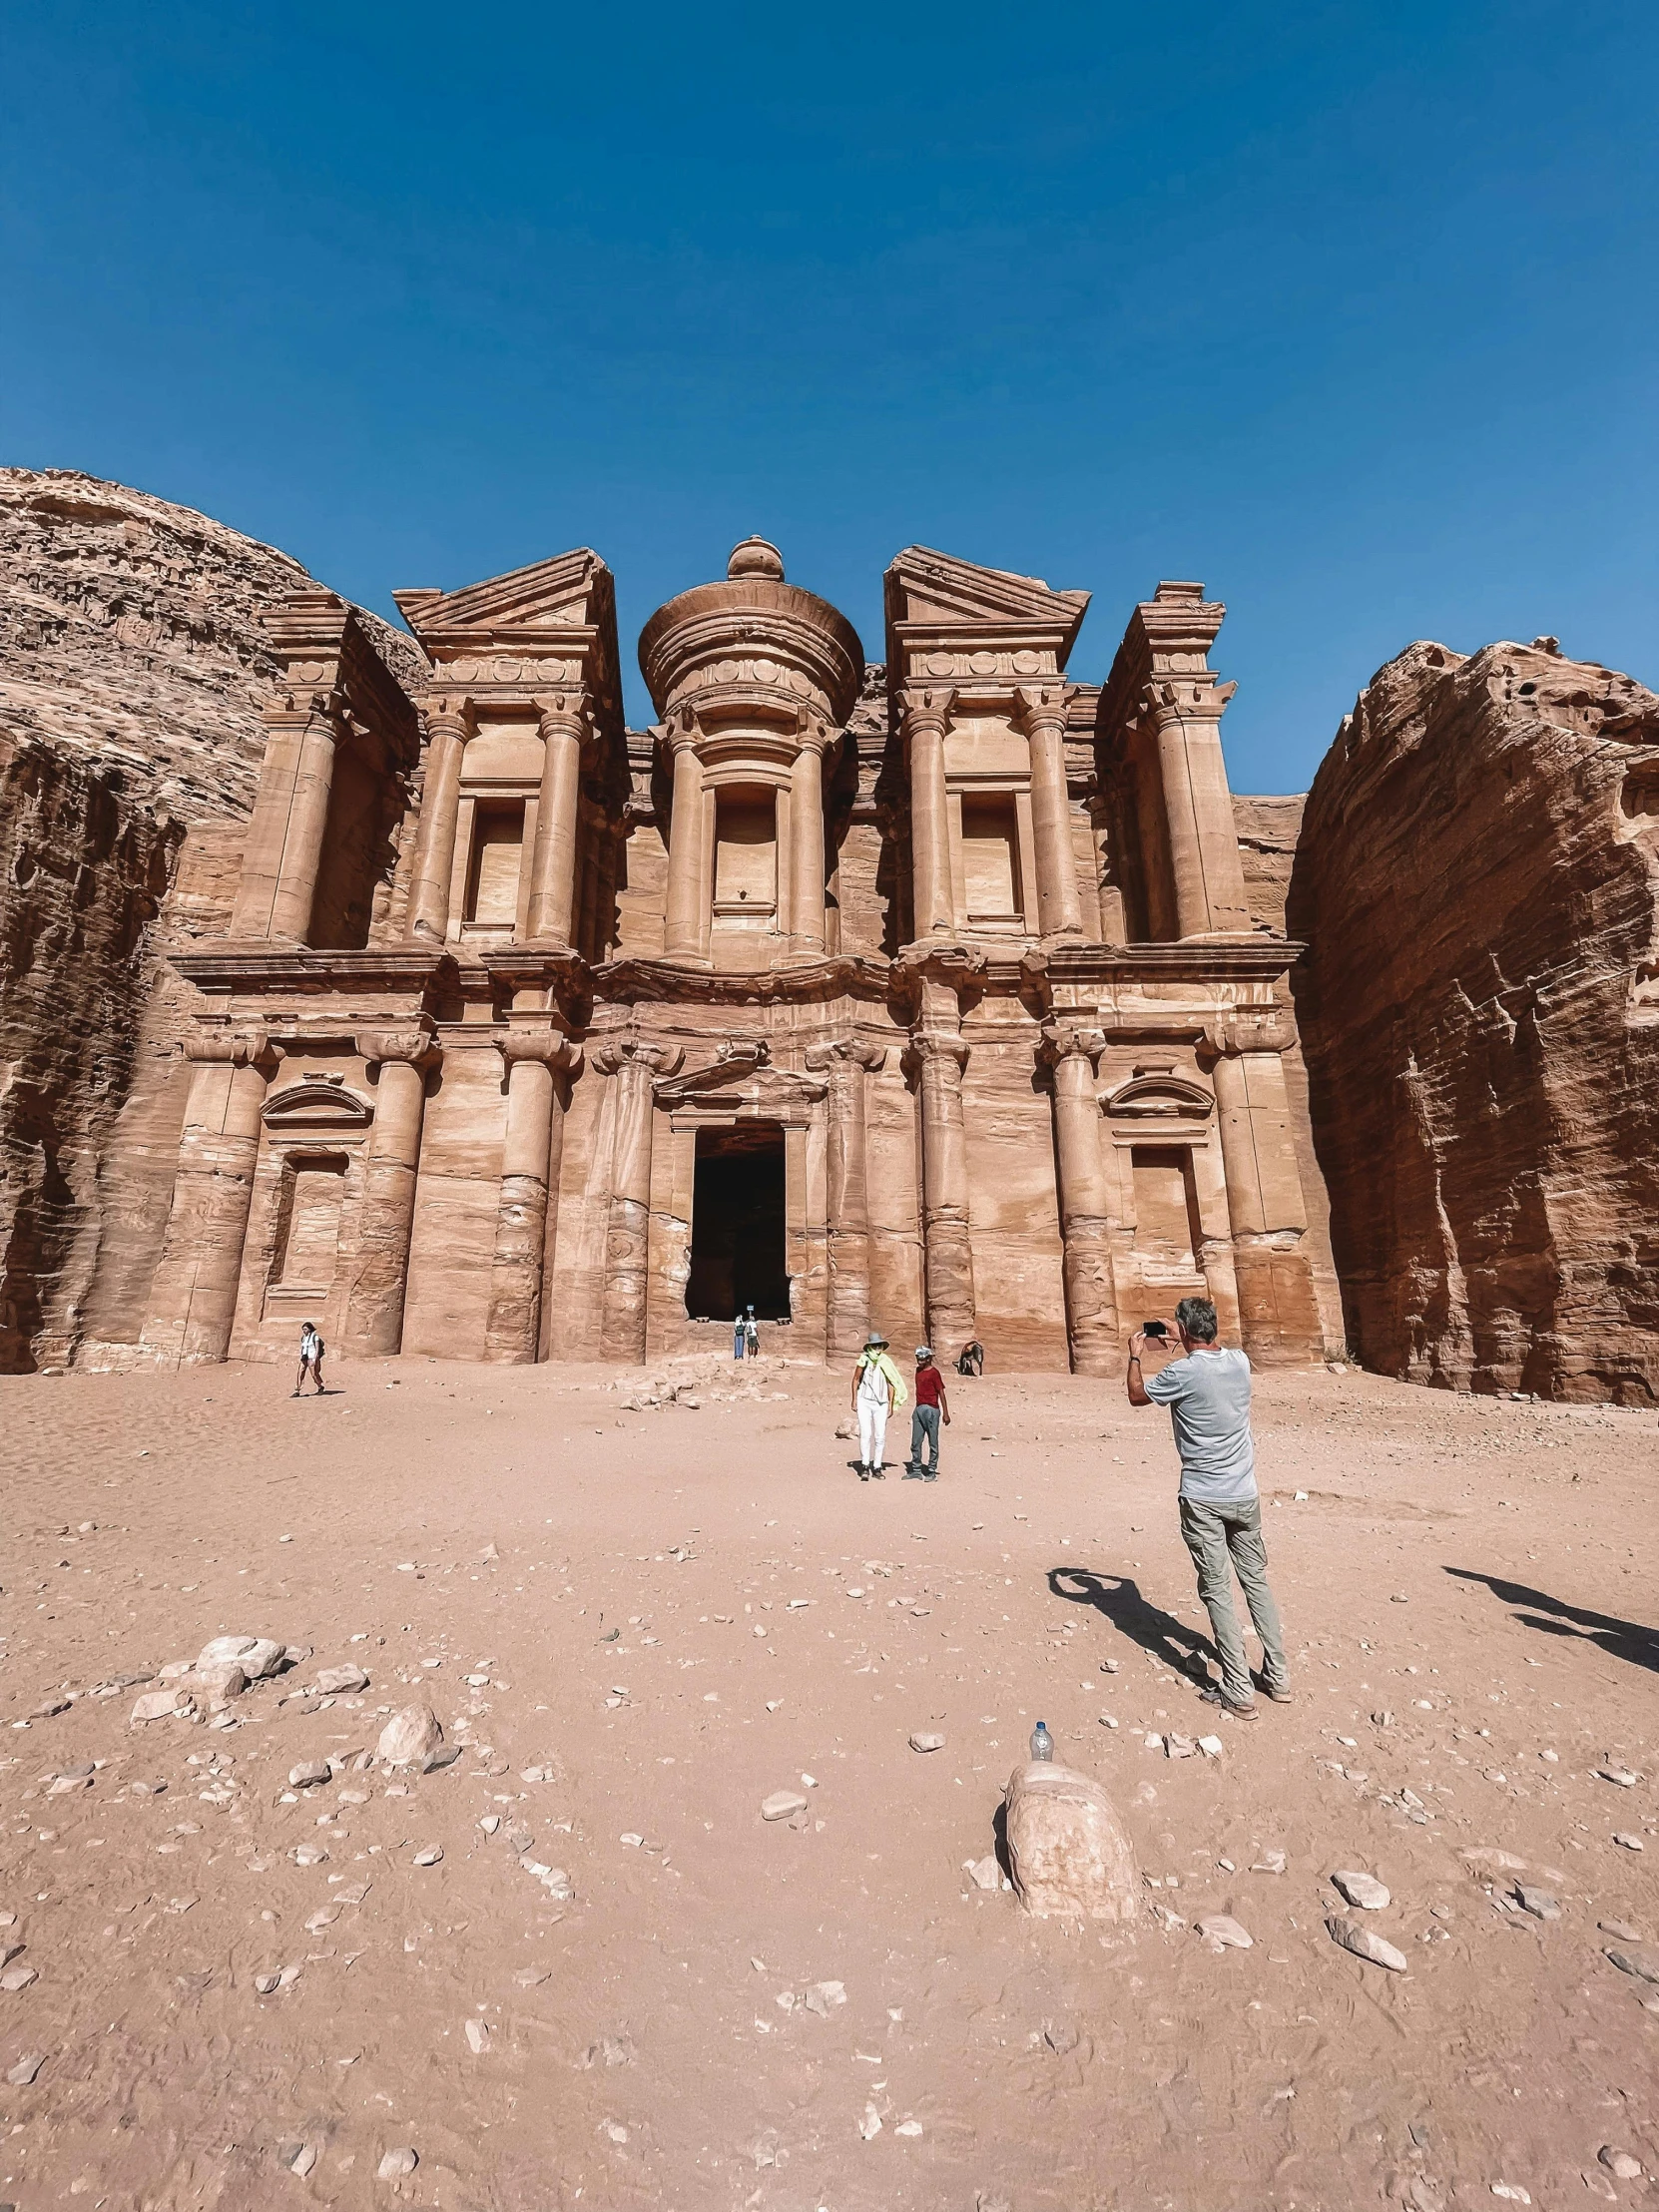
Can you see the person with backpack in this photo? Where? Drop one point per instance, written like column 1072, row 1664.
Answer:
column 311, row 1348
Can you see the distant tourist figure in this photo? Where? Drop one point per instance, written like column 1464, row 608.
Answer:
column 1208, row 1394
column 972, row 1359
column 752, row 1333
column 878, row 1390
column 740, row 1338
column 311, row 1348
column 932, row 1404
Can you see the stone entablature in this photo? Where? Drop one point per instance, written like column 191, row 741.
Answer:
column 877, row 935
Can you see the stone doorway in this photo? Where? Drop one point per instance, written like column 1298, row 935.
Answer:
column 738, row 1224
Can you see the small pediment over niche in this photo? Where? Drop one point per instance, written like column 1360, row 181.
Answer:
column 764, row 1093
column 311, row 1104
column 1158, row 1098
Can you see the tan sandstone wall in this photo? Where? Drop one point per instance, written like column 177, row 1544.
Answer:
column 1478, row 882
column 133, row 672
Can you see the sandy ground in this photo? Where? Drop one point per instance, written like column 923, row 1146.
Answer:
column 684, row 1610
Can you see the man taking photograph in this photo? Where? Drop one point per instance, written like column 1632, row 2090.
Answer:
column 1207, row 1391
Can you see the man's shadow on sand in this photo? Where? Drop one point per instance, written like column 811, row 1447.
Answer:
column 1623, row 1639
column 1166, row 1639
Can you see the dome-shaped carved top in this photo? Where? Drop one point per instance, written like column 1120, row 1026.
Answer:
column 756, row 557
column 752, row 642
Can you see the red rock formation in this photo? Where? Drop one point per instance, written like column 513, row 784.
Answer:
column 133, row 672
column 1477, row 880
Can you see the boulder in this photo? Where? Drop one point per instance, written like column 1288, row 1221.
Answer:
column 162, row 1705
column 409, row 1737
column 257, row 1656
column 341, row 1681
column 1366, row 1943
column 1068, row 1852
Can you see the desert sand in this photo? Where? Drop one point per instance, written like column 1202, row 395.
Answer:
column 620, row 1986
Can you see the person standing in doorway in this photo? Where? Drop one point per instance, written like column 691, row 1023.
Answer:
column 1207, row 1392
column 752, row 1334
column 740, row 1336
column 931, row 1405
column 311, row 1348
column 878, row 1390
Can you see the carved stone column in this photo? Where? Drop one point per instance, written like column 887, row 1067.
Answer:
column 538, row 1066
column 807, row 869
column 374, row 1312
column 1208, row 876
column 845, row 1066
column 193, row 1297
column 635, row 1066
column 440, row 806
column 926, row 715
column 564, row 725
column 936, row 1059
column 686, row 867
column 1085, row 1199
column 1278, row 1309
column 1059, row 909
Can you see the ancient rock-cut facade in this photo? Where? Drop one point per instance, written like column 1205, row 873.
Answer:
column 925, row 994
column 1478, row 881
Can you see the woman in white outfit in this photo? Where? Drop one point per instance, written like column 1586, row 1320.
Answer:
column 878, row 1390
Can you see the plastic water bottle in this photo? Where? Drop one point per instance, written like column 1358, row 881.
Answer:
column 1042, row 1743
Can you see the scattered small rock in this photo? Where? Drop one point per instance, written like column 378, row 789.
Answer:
column 341, row 1681
column 1638, row 1960
column 1627, row 1841
column 1365, row 1944
column 781, row 1804
column 1211, row 1746
column 1620, row 2162
column 409, row 1737
column 871, row 2125
column 308, row 1774
column 430, row 1855
column 984, row 1872
column 47, row 1706
column 1621, row 1776
column 27, row 2067
column 17, row 1978
column 477, row 2038
column 1224, row 1933
column 1363, row 1889
column 1270, row 1861
column 1539, row 1903
column 926, row 1742
column 257, row 1656
column 397, row 2163
column 162, row 1705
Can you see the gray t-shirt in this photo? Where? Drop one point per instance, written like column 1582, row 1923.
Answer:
column 1208, row 1396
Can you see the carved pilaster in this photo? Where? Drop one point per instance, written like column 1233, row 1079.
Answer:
column 539, row 1068
column 1043, row 718
column 844, row 1066
column 449, row 723
column 374, row 1326
column 1070, row 1055
column 934, row 1060
column 1267, row 1212
column 566, row 725
column 635, row 1065
column 925, row 718
column 1207, row 877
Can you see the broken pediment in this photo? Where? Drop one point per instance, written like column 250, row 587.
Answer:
column 1158, row 1098
column 741, row 1080
column 316, row 1103
column 936, row 601
column 572, row 591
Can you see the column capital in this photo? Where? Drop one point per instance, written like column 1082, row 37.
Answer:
column 936, row 1046
column 1041, row 707
column 1249, row 1029
column 847, row 1052
column 1199, row 696
column 451, row 711
column 236, row 1049
column 616, row 1053
column 547, row 1047
column 1065, row 1041
column 416, row 1047
column 926, row 707
column 565, row 714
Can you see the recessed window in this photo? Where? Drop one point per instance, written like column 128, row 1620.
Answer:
column 745, row 852
column 990, row 861
column 497, row 856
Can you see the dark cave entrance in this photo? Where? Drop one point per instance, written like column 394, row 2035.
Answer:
column 737, row 1251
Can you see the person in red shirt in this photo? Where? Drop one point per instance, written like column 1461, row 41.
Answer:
column 931, row 1405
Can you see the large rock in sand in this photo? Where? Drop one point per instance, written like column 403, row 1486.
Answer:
column 257, row 1656
column 1068, row 1852
column 409, row 1737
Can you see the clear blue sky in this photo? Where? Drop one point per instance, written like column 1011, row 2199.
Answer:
column 1349, row 310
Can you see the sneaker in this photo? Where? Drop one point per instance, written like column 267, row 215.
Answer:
column 880, row 1472
column 930, row 1478
column 1214, row 1695
column 1280, row 1692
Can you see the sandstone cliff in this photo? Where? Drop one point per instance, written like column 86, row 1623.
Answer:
column 133, row 671
column 1477, row 880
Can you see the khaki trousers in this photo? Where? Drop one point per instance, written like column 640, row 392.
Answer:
column 1225, row 1540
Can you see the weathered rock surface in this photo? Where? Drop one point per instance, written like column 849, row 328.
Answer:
column 133, row 671
column 1068, row 1852
column 1477, row 879
column 409, row 1737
